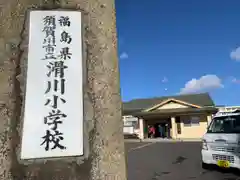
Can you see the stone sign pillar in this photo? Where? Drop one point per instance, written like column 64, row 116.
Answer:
column 104, row 157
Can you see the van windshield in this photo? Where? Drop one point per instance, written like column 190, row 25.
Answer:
column 225, row 124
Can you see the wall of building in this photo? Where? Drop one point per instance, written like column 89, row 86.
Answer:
column 227, row 109
column 193, row 130
column 130, row 125
column 173, row 105
column 128, row 130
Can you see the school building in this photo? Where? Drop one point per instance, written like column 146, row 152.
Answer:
column 182, row 116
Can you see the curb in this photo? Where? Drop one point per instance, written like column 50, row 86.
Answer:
column 133, row 140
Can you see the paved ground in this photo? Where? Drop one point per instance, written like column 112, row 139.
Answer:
column 170, row 161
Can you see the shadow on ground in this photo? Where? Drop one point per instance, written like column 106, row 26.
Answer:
column 224, row 171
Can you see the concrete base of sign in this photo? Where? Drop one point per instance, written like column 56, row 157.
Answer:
column 103, row 144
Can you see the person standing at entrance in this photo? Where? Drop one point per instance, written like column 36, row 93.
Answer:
column 146, row 131
column 152, row 132
column 164, row 129
column 160, row 130
column 149, row 131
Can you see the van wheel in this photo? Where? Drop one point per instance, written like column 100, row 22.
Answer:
column 205, row 166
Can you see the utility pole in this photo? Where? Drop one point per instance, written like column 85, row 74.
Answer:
column 105, row 159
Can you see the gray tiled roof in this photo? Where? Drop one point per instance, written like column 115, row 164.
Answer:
column 176, row 111
column 202, row 99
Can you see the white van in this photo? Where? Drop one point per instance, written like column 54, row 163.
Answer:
column 221, row 143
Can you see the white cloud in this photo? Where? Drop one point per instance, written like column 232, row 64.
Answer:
column 124, row 55
column 235, row 54
column 164, row 80
column 235, row 80
column 204, row 83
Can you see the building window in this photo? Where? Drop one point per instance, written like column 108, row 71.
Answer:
column 192, row 121
column 195, row 121
column 187, row 122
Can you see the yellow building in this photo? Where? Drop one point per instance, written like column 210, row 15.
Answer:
column 176, row 117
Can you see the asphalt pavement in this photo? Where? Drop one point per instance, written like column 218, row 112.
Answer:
column 170, row 161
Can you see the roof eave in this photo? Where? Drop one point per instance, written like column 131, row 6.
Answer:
column 209, row 110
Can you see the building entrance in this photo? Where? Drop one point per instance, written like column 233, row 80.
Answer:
column 162, row 130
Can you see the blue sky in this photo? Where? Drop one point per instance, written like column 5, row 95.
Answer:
column 167, row 47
